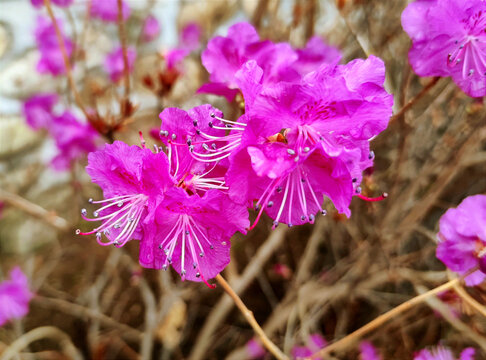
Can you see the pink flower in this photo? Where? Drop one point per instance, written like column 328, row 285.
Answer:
column 254, row 349
column 107, row 10
column 14, row 296
column 194, row 233
column 114, row 64
column 443, row 353
column 61, row 3
column 189, row 41
column 462, row 239
column 315, row 343
column 449, row 40
column 38, row 110
column 151, row 28
column 368, row 351
column 73, row 139
column 51, row 60
column 308, row 140
column 134, row 181
column 224, row 56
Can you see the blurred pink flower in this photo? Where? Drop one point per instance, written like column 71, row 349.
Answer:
column 38, row 110
column 151, row 28
column 448, row 39
column 61, row 3
column 368, row 351
column 51, row 59
column 315, row 342
column 254, row 349
column 462, row 239
column 14, row 296
column 443, row 353
column 114, row 64
column 107, row 10
column 189, row 41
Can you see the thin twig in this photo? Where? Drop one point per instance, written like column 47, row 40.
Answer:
column 67, row 63
column 82, row 312
column 225, row 304
column 382, row 319
column 123, row 43
column 40, row 333
column 415, row 99
column 248, row 314
column 35, row 210
column 470, row 300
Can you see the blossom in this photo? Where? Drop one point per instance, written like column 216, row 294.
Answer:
column 315, row 343
column 443, row 353
column 308, row 140
column 462, row 239
column 151, row 28
column 194, row 233
column 448, row 39
column 189, row 41
column 38, row 110
column 224, row 56
column 114, row 64
column 73, row 139
column 133, row 181
column 254, row 349
column 14, row 296
column 368, row 351
column 51, row 58
column 191, row 138
column 61, row 3
column 107, row 10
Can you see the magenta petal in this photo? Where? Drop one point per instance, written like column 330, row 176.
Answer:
column 14, row 296
column 218, row 89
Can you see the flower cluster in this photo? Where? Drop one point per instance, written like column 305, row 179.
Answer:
column 449, row 40
column 73, row 138
column 14, row 296
column 301, row 138
column 462, row 239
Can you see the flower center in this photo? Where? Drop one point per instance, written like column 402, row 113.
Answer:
column 120, row 218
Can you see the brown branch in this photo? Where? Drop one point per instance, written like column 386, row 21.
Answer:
column 67, row 63
column 248, row 314
column 123, row 42
column 49, row 217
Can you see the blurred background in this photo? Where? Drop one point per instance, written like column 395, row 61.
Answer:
column 329, row 278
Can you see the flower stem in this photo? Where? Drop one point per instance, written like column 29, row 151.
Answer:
column 123, row 43
column 380, row 320
column 248, row 314
column 416, row 98
column 67, row 63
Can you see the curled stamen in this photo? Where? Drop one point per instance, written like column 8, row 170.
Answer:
column 379, row 198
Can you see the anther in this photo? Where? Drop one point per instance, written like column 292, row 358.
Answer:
column 160, row 246
column 198, row 132
column 213, row 145
column 275, row 223
column 303, row 217
column 371, row 155
column 194, row 122
column 296, row 159
column 90, row 200
column 106, row 232
column 187, row 232
column 211, row 247
column 201, row 254
column 306, row 149
column 120, row 204
column 358, row 190
column 270, row 204
column 210, row 124
column 198, row 275
column 194, row 265
column 78, row 231
column 302, row 180
column 290, row 225
column 169, row 260
column 291, row 152
column 116, row 242
column 84, row 212
column 163, row 133
column 95, row 214
column 324, row 212
column 191, row 148
column 278, row 189
column 354, row 180
column 213, row 115
column 189, row 142
column 311, row 217
column 205, row 146
column 470, row 72
column 164, row 267
column 183, row 272
column 173, row 136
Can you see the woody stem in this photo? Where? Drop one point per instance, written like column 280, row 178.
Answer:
column 123, row 42
column 380, row 320
column 248, row 314
column 67, row 64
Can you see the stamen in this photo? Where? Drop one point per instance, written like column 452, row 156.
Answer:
column 379, row 198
